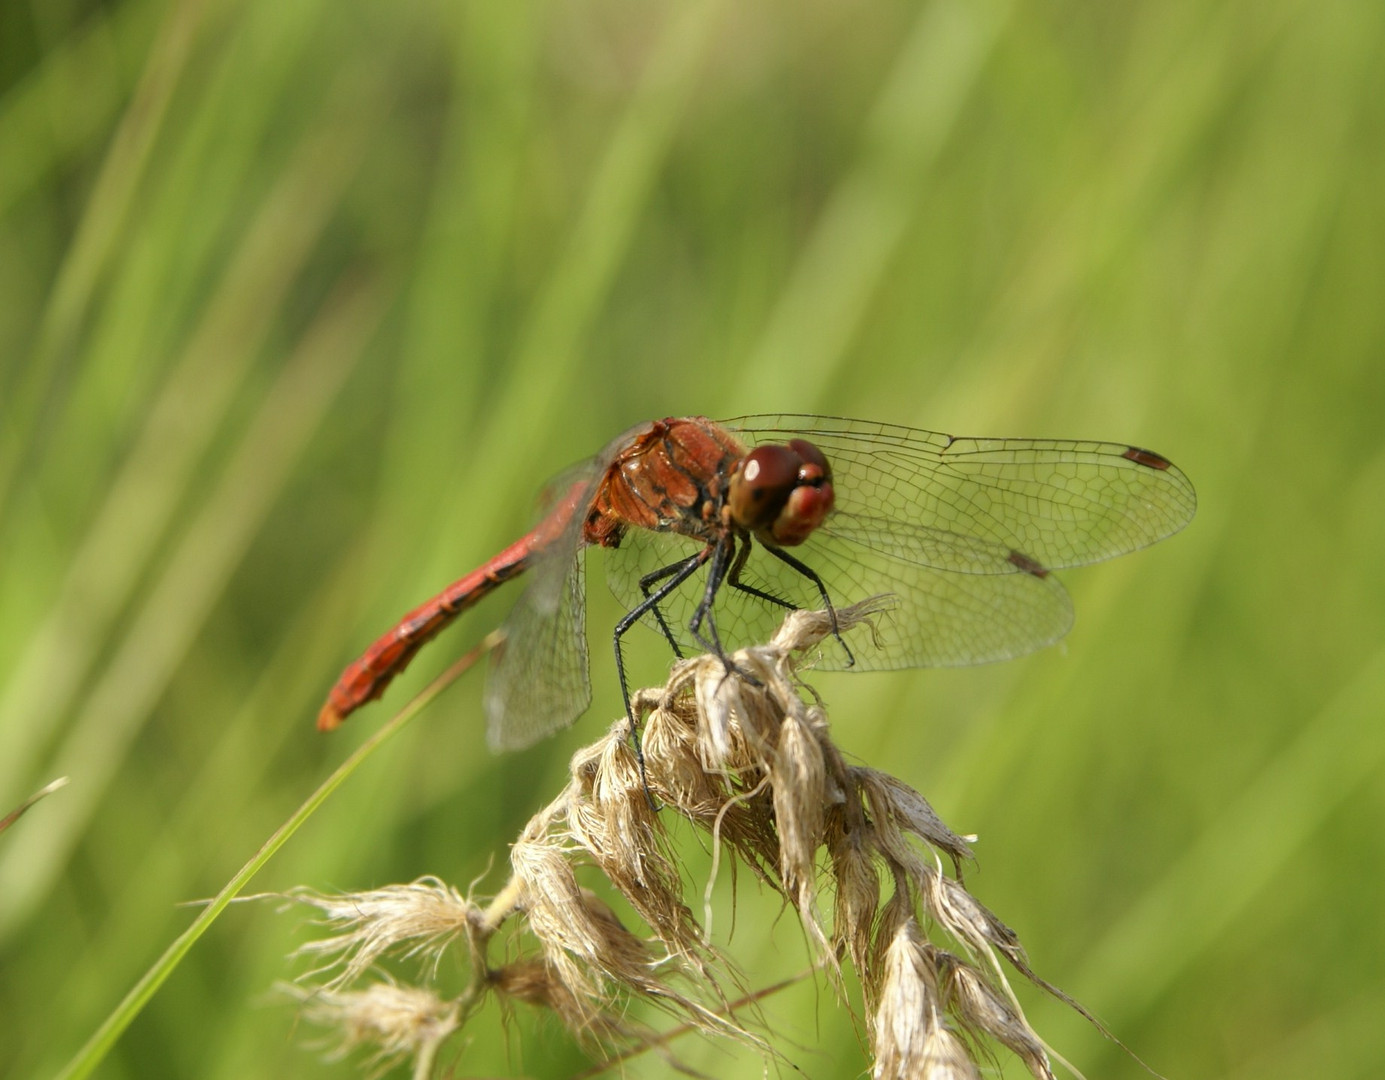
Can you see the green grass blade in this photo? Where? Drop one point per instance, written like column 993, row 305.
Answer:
column 99, row 1045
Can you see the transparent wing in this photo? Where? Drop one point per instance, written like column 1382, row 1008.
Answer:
column 539, row 682
column 960, row 531
column 939, row 618
column 1057, row 502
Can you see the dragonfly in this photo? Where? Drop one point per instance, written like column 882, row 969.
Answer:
column 714, row 530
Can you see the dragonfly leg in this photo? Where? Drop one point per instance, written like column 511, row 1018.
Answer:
column 733, row 578
column 722, row 551
column 646, row 583
column 811, row 574
column 725, row 558
column 676, row 573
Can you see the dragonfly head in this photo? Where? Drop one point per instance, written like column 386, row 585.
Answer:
column 781, row 493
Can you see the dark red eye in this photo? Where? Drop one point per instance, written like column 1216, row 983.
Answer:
column 761, row 485
column 770, row 468
column 811, row 499
column 781, row 493
column 810, row 455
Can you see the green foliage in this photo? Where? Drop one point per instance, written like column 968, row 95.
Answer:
column 301, row 304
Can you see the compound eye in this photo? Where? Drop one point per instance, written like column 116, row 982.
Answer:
column 761, row 485
column 810, row 456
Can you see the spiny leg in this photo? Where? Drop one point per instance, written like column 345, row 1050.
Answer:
column 811, row 574
column 725, row 557
column 716, row 574
column 646, row 583
column 677, row 573
column 733, row 578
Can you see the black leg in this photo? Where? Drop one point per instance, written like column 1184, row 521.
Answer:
column 716, row 574
column 811, row 574
column 723, row 557
column 677, row 573
column 645, row 583
column 733, row 578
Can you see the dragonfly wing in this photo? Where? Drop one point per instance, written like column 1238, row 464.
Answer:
column 964, row 531
column 937, row 617
column 1056, row 502
column 540, row 679
column 540, row 682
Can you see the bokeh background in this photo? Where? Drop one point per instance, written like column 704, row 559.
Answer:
column 301, row 304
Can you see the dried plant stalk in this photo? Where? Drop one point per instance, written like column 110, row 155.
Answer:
column 740, row 753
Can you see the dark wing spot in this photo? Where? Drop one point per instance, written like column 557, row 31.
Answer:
column 1028, row 565
column 1147, row 458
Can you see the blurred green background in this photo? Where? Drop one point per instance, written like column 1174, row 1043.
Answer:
column 301, row 304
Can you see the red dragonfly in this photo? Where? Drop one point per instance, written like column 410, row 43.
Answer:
column 790, row 512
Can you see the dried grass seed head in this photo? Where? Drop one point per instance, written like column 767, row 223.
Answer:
column 735, row 748
column 421, row 918
column 393, row 1021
